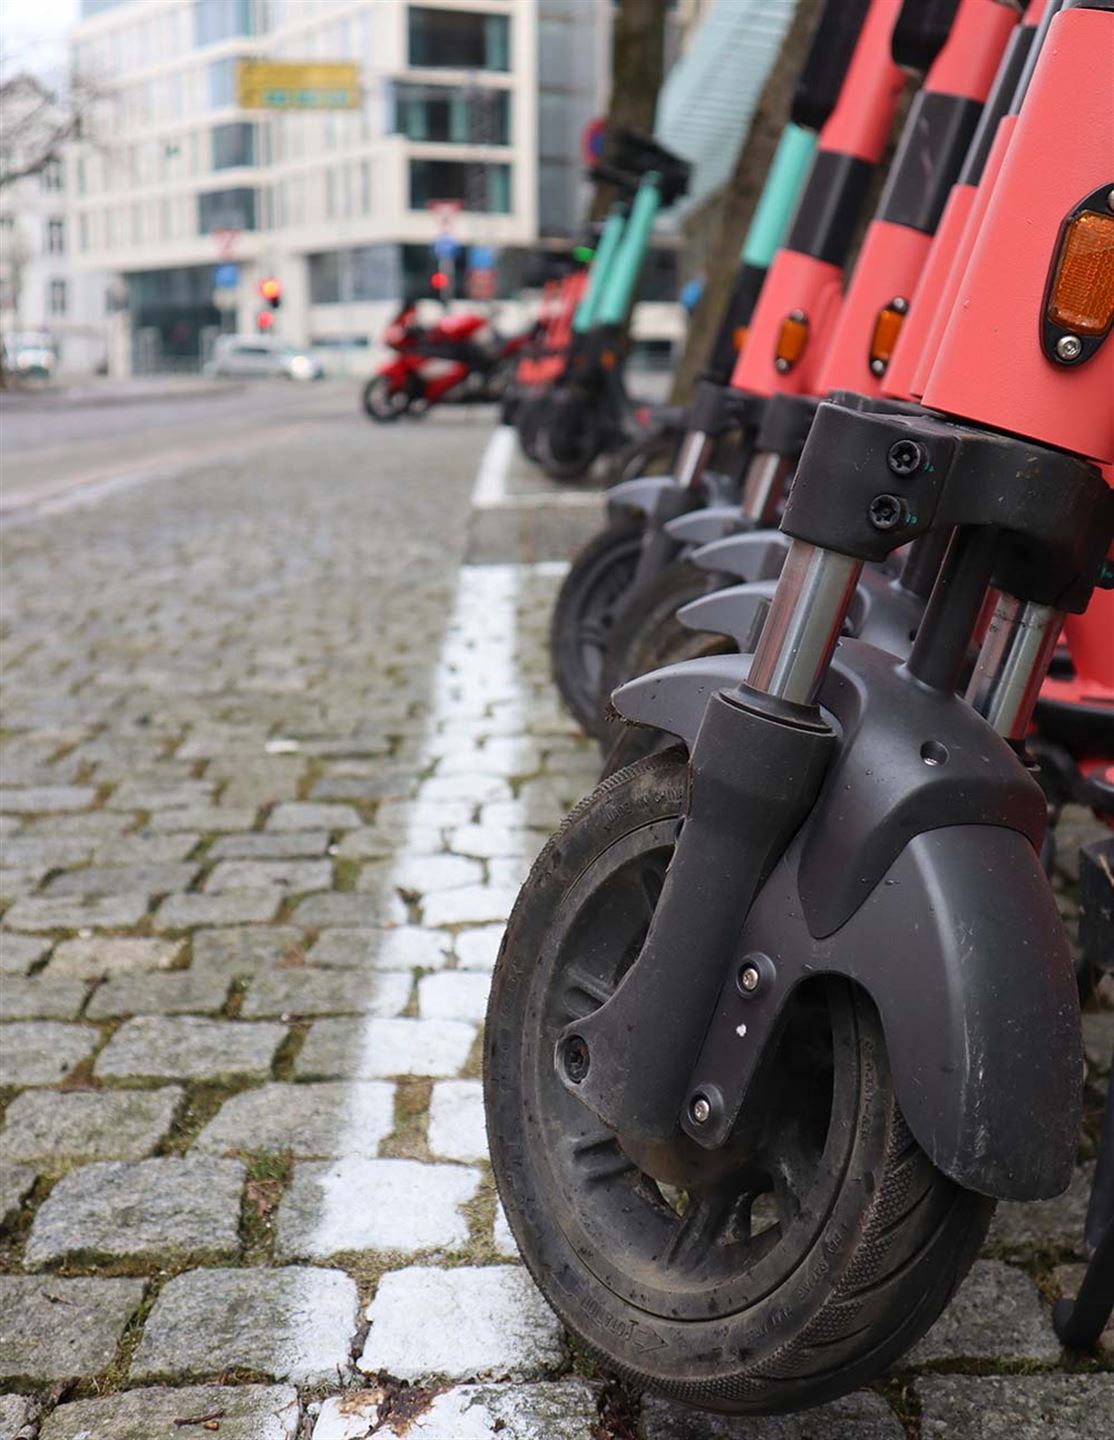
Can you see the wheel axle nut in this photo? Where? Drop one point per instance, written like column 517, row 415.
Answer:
column 906, row 457
column 700, row 1109
column 887, row 512
column 749, row 978
column 576, row 1058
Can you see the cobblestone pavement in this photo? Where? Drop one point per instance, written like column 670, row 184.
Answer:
column 275, row 762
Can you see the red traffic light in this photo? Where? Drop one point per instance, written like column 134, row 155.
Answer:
column 439, row 280
column 271, row 291
column 264, row 320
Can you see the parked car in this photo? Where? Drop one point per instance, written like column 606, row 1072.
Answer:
column 30, row 356
column 248, row 355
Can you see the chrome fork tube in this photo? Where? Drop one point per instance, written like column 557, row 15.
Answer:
column 764, row 485
column 692, row 457
column 1012, row 664
column 806, row 617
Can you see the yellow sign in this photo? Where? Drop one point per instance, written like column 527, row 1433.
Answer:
column 292, row 85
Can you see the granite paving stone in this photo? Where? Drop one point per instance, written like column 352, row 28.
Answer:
column 294, row 1323
column 306, row 1121
column 92, row 957
column 861, row 1416
column 205, row 819
column 375, row 1049
column 61, row 1329
column 1018, row 1407
column 247, row 1412
column 327, row 992
column 294, row 877
column 502, row 1238
column 306, row 815
column 456, row 1120
column 44, row 799
column 16, row 1412
column 403, row 947
column 74, row 912
column 15, row 1185
column 1098, row 1040
column 478, row 949
column 246, row 950
column 183, row 1047
column 351, row 910
column 100, row 824
column 453, row 995
column 181, row 992
column 49, row 852
column 549, row 1410
column 124, row 879
column 469, row 905
column 146, row 847
column 139, row 794
column 491, row 1321
column 17, row 884
column 1067, row 1280
column 230, row 907
column 1047, row 1224
column 40, row 998
column 997, row 1313
column 18, row 953
column 360, row 1204
column 424, row 874
column 48, row 1126
column 271, row 845
column 42, row 1052
column 166, row 1208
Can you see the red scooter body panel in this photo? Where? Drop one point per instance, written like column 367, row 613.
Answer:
column 990, row 367
column 860, row 123
column 793, row 282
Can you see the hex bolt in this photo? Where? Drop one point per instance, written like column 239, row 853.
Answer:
column 576, row 1059
column 1069, row 348
column 906, row 457
column 887, row 512
column 700, row 1109
column 750, row 978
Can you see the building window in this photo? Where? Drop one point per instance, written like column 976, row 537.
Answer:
column 452, row 115
column 56, row 297
column 226, row 210
column 55, row 237
column 50, row 176
column 367, row 272
column 83, row 232
column 482, row 188
column 215, row 20
column 222, row 83
column 458, row 39
column 233, row 145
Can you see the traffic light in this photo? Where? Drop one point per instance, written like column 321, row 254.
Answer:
column 439, row 281
column 271, row 290
column 265, row 320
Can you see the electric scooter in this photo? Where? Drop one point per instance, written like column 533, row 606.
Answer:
column 776, row 1022
column 850, row 83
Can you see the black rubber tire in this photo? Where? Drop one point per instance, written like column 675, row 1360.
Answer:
column 377, row 398
column 643, row 457
column 648, row 622
column 849, row 1281
column 582, row 616
column 528, row 420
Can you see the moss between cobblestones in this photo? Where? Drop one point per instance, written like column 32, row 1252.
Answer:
column 479, row 1214
column 201, row 1103
column 268, row 1174
column 345, row 874
column 902, row 1398
column 287, row 1054
column 473, row 1068
column 407, row 1141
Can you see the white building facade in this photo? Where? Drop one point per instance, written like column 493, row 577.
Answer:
column 173, row 180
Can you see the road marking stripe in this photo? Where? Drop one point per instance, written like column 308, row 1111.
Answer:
column 490, row 488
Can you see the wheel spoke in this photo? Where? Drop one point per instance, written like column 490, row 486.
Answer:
column 707, row 1214
column 583, row 992
column 598, row 1158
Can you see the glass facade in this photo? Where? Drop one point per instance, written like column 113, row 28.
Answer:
column 485, row 189
column 216, row 20
column 226, row 210
column 233, row 145
column 453, row 115
column 458, row 39
column 365, row 272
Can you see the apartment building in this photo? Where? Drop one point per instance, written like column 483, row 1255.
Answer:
column 173, row 180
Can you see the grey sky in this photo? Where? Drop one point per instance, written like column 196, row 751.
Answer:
column 33, row 33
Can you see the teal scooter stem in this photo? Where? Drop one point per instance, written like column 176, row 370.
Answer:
column 617, row 290
column 610, row 239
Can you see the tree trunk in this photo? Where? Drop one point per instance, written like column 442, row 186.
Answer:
column 740, row 196
column 637, row 67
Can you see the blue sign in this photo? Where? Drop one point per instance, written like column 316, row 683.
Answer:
column 226, row 277
column 445, row 247
column 481, row 257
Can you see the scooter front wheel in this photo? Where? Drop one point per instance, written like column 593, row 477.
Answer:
column 787, row 1269
column 592, row 590
column 383, row 402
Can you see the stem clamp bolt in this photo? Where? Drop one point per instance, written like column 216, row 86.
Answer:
column 576, row 1059
column 1069, row 348
column 887, row 512
column 906, row 457
column 700, row 1109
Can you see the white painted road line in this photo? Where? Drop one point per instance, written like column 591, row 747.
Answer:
column 491, row 479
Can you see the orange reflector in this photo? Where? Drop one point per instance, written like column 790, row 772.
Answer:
column 791, row 341
column 608, row 359
column 739, row 338
column 1082, row 298
column 887, row 327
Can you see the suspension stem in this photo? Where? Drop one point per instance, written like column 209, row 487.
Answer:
column 692, row 458
column 940, row 650
column 1012, row 664
column 764, row 486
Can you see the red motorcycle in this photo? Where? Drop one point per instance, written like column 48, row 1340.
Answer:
column 462, row 359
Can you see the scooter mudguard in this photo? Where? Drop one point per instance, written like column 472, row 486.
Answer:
column 642, row 496
column 700, row 527
column 756, row 555
column 738, row 612
column 916, row 875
